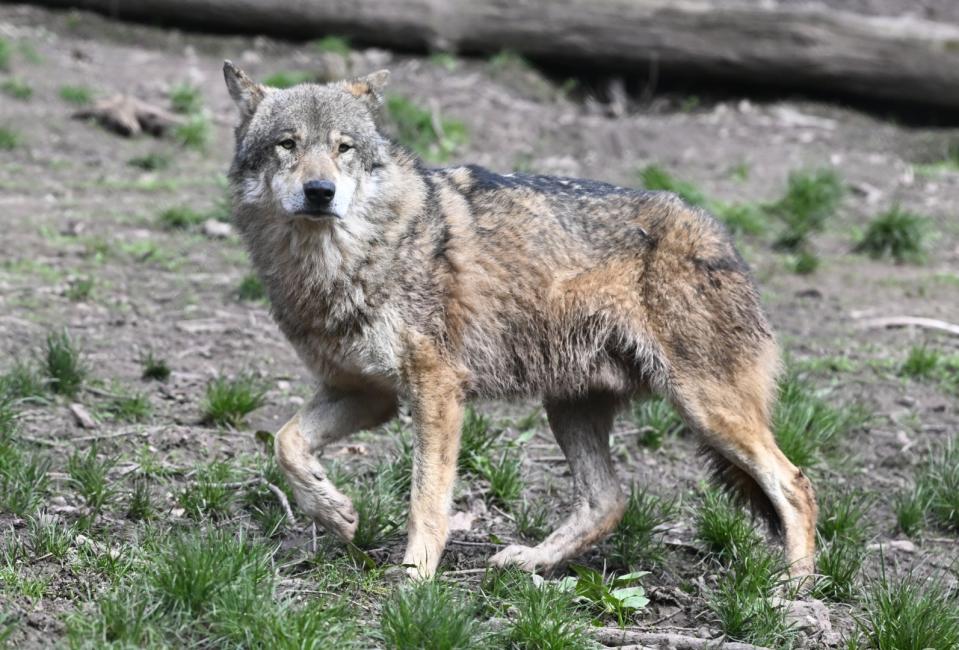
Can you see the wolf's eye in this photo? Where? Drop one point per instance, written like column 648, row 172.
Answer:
column 344, row 147
column 287, row 144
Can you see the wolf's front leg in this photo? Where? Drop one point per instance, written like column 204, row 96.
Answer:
column 329, row 416
column 437, row 404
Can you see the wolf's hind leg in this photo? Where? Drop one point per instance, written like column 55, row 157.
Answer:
column 732, row 417
column 581, row 428
column 329, row 416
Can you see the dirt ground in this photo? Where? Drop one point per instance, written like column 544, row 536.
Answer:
column 72, row 207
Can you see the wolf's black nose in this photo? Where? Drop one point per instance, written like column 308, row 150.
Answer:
column 319, row 193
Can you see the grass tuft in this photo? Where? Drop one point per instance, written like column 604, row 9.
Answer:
column 64, row 364
column 542, row 615
column 80, row 289
column 151, row 162
column 251, row 288
column 22, row 382
column 724, row 527
column 17, row 88
column 810, row 199
column 208, row 494
column 186, row 98
column 79, row 95
column 433, row 138
column 229, row 400
column 910, row 614
column 196, row 132
column 896, row 233
column 806, row 427
column 6, row 50
column 921, row 363
column 88, row 474
column 429, row 614
column 743, row 600
column 380, row 510
column 154, row 367
column 289, row 78
column 634, row 542
column 656, row 420
column 180, row 218
column 332, row 45
column 9, row 139
column 532, row 519
column 49, row 535
column 655, row 177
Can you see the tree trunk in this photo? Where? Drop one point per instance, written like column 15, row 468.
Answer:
column 903, row 59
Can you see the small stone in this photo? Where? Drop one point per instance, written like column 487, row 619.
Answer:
column 217, row 229
column 810, row 616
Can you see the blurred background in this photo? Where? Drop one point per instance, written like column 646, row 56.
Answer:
column 139, row 356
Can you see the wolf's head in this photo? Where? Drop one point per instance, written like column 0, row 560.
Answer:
column 306, row 152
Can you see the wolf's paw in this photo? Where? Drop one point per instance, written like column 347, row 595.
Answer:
column 330, row 508
column 528, row 558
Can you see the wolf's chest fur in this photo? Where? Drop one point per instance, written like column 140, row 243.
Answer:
column 328, row 304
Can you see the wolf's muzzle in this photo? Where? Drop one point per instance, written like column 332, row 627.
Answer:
column 319, row 195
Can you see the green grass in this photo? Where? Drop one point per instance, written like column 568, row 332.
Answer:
column 430, row 614
column 656, row 420
column 208, row 495
column 80, row 289
column 477, row 442
column 186, row 98
column 635, row 542
column 533, row 519
column 251, row 288
column 895, row 233
column 332, row 45
column 180, row 218
column 141, row 506
column 740, row 218
column 445, row 60
column 805, row 262
column 23, row 381
column 128, row 407
column 16, row 88
column 911, row 613
column 63, row 363
column 79, row 95
column 380, row 510
column 6, row 50
column 195, row 133
column 654, row 177
column 154, row 367
column 289, row 78
column 811, row 198
column 49, row 535
column 543, row 616
column 743, row 604
column 9, row 139
column 843, row 528
column 921, row 363
column 806, row 427
column 23, row 476
column 504, row 476
column 229, row 400
column 934, row 498
column 435, row 140
column 151, row 162
column 724, row 527
column 88, row 473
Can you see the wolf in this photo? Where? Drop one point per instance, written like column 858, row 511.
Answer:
column 395, row 283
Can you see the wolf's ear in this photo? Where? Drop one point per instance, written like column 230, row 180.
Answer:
column 245, row 92
column 369, row 88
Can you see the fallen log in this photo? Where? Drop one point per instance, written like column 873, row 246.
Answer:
column 905, row 59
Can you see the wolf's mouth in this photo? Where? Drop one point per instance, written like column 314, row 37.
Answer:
column 316, row 215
